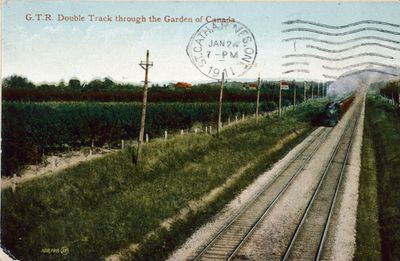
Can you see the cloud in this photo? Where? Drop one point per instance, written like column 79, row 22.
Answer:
column 53, row 29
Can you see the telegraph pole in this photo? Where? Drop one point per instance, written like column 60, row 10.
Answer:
column 398, row 98
column 304, row 91
column 280, row 99
column 318, row 89
column 145, row 65
column 221, row 92
column 294, row 95
column 312, row 91
column 258, row 96
column 282, row 85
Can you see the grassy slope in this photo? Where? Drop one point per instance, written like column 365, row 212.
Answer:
column 99, row 207
column 383, row 129
column 368, row 237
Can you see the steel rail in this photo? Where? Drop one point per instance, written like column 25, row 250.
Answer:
column 328, row 219
column 311, row 201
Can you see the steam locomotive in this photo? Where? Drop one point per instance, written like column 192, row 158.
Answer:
column 335, row 110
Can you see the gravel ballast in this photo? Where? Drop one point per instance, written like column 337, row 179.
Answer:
column 271, row 238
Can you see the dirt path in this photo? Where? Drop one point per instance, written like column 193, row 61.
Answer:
column 54, row 165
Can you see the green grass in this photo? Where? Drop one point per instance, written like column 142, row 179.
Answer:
column 100, row 207
column 368, row 236
column 381, row 174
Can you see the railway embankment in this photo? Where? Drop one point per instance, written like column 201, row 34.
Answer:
column 110, row 205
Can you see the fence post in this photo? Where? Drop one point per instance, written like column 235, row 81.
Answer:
column 210, row 130
column 147, row 138
column 242, row 116
column 236, row 118
column 181, row 132
column 122, row 144
column 14, row 183
column 165, row 135
column 91, row 148
column 229, row 120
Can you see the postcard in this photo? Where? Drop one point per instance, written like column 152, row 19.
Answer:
column 215, row 130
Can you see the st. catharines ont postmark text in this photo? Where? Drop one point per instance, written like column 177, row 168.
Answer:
column 225, row 47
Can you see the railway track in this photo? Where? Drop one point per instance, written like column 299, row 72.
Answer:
column 307, row 241
column 228, row 240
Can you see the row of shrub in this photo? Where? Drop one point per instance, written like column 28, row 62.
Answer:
column 31, row 129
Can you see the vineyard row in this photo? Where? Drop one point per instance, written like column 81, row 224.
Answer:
column 33, row 129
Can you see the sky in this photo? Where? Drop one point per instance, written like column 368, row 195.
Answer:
column 50, row 51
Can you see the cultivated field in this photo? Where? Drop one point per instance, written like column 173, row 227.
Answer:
column 49, row 127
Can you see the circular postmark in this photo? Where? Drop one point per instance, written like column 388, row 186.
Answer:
column 218, row 47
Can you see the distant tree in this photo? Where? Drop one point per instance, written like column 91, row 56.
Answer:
column 18, row 82
column 95, row 85
column 74, row 84
column 46, row 86
column 108, row 83
column 61, row 85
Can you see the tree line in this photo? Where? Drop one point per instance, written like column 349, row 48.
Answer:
column 18, row 88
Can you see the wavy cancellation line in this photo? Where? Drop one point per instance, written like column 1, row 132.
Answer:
column 375, row 29
column 358, row 65
column 359, row 72
column 369, row 70
column 295, row 63
column 330, row 76
column 299, row 21
column 352, row 47
column 305, row 55
column 341, row 42
column 296, row 70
